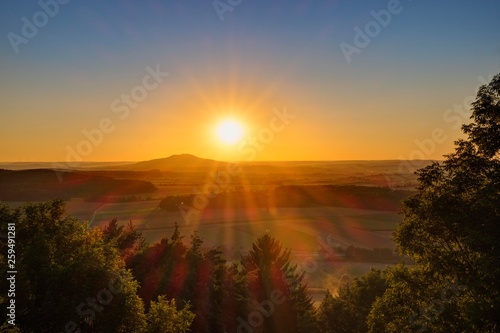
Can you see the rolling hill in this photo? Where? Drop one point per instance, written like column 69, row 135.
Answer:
column 44, row 184
column 179, row 162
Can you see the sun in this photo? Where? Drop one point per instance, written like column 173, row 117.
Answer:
column 229, row 131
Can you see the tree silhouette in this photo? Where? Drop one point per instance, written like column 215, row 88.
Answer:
column 269, row 272
column 164, row 317
column 67, row 275
column 348, row 311
column 126, row 239
column 451, row 230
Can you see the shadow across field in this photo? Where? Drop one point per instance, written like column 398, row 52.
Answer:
column 347, row 196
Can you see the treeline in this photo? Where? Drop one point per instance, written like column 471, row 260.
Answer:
column 43, row 184
column 346, row 196
column 118, row 199
column 379, row 255
column 71, row 279
column 451, row 231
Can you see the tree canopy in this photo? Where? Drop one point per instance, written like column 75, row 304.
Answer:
column 451, row 231
column 68, row 276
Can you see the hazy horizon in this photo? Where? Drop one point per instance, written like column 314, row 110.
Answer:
column 219, row 160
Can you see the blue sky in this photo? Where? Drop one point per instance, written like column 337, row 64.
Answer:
column 263, row 55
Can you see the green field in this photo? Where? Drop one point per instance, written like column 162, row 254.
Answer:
column 303, row 230
column 295, row 227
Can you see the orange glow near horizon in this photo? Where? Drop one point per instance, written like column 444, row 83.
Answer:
column 167, row 123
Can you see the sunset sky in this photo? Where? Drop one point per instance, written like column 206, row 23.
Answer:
column 396, row 97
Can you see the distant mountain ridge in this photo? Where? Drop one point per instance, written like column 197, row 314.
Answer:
column 176, row 163
column 190, row 163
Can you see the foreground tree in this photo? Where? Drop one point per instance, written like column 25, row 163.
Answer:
column 164, row 317
column 276, row 290
column 348, row 311
column 126, row 239
column 189, row 274
column 68, row 277
column 418, row 300
column 451, row 230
